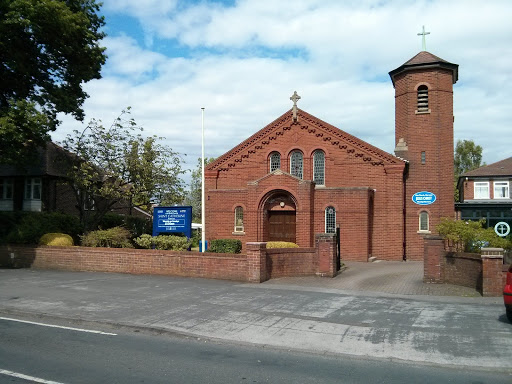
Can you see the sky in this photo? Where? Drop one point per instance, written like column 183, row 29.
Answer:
column 242, row 60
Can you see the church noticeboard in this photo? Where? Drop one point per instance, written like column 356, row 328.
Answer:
column 172, row 220
column 423, row 198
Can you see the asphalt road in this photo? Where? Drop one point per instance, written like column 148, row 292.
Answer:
column 130, row 356
column 472, row 332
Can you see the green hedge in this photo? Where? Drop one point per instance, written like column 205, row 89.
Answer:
column 28, row 227
column 117, row 237
column 136, row 225
column 167, row 242
column 281, row 244
column 224, row 246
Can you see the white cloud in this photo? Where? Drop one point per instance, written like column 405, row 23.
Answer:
column 243, row 62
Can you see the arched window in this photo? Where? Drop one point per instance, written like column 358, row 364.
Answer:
column 424, row 222
column 239, row 219
column 422, row 98
column 296, row 164
column 275, row 161
column 330, row 220
column 319, row 167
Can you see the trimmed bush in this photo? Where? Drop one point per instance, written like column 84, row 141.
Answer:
column 281, row 244
column 225, row 246
column 117, row 237
column 138, row 226
column 163, row 242
column 28, row 227
column 470, row 236
column 56, row 240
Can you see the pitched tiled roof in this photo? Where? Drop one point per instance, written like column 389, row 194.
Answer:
column 46, row 164
column 500, row 168
column 309, row 124
column 425, row 59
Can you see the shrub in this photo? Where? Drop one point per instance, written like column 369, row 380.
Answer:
column 56, row 240
column 117, row 237
column 281, row 244
column 164, row 242
column 137, row 225
column 225, row 246
column 470, row 236
column 28, row 227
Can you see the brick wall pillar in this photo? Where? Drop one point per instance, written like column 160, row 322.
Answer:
column 325, row 245
column 433, row 259
column 256, row 262
column 492, row 275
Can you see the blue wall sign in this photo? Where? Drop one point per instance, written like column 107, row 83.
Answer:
column 423, row 198
column 172, row 220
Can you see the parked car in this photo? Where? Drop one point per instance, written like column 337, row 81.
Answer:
column 507, row 294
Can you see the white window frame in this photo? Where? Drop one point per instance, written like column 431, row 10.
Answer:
column 327, row 227
column 7, row 189
column 239, row 219
column 481, row 184
column 275, row 161
column 420, row 227
column 503, row 184
column 33, row 184
column 322, row 166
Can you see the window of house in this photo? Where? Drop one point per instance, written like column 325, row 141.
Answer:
column 330, row 220
column 6, row 189
column 33, row 189
column 481, row 189
column 296, row 164
column 275, row 161
column 319, row 167
column 501, row 190
column 239, row 219
column 422, row 98
column 424, row 225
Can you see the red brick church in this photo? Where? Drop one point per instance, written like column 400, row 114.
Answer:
column 300, row 176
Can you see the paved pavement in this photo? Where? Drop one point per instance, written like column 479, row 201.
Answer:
column 394, row 277
column 444, row 330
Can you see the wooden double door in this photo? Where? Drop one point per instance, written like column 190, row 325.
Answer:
column 281, row 226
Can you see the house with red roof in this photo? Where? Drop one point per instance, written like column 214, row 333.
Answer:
column 300, row 176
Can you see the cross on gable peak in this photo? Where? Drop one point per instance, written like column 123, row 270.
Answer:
column 295, row 97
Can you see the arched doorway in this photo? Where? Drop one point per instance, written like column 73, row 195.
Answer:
column 279, row 215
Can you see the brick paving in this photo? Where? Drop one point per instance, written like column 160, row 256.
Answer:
column 393, row 277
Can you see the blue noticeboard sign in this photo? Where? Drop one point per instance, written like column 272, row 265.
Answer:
column 172, row 220
column 423, row 198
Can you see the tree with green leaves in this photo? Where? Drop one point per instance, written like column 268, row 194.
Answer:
column 109, row 166
column 193, row 198
column 468, row 156
column 48, row 49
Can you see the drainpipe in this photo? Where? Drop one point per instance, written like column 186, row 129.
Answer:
column 404, row 214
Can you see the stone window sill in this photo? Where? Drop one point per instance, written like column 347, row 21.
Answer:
column 238, row 233
column 422, row 112
column 424, row 232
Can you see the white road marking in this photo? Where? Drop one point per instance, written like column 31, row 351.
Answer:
column 27, row 377
column 58, row 326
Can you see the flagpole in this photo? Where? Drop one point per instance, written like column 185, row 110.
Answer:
column 203, row 229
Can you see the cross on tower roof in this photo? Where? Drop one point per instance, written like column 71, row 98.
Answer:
column 423, row 42
column 295, row 97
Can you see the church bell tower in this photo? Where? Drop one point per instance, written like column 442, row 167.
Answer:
column 424, row 137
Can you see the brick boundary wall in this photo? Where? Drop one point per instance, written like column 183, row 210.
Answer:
column 134, row 261
column 485, row 272
column 286, row 262
column 258, row 265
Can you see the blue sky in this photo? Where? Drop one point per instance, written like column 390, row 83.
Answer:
column 242, row 60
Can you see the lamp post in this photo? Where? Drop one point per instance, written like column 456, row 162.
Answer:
column 203, row 229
